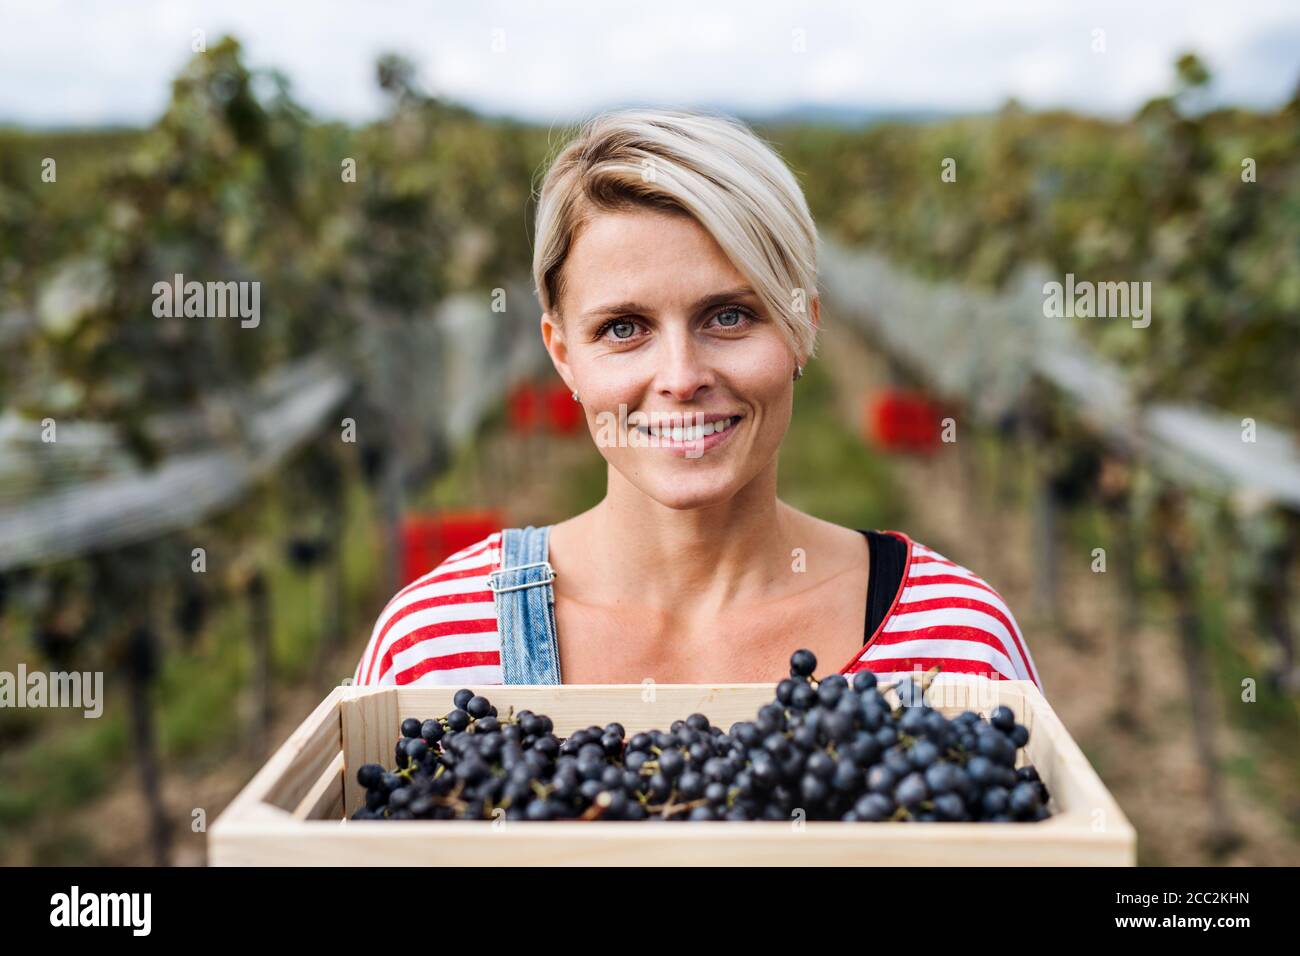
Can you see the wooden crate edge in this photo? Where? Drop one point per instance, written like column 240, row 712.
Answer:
column 270, row 772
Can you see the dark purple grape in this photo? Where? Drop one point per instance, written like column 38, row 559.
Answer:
column 911, row 791
column 1024, row 800
column 863, row 681
column 1003, row 718
column 802, row 663
column 874, row 807
column 369, row 775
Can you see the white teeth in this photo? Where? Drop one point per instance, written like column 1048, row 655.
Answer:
column 691, row 433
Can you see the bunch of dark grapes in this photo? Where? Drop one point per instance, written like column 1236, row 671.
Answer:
column 833, row 749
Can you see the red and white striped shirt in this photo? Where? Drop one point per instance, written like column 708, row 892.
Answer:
column 442, row 628
column 945, row 614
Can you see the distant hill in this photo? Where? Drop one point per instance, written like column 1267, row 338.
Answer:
column 845, row 116
column 798, row 114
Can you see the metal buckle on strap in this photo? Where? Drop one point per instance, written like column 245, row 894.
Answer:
column 520, row 567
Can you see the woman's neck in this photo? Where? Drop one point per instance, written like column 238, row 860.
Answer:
column 739, row 551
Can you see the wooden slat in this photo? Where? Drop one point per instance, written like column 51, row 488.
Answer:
column 230, row 829
column 297, row 764
column 324, row 801
column 315, row 751
column 370, row 729
column 469, row 843
column 1072, row 781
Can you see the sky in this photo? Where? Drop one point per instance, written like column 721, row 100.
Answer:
column 85, row 63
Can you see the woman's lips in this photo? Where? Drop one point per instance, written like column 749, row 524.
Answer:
column 692, row 448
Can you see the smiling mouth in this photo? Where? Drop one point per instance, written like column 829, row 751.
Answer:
column 678, row 433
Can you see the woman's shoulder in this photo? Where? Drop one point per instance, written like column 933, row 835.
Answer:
column 946, row 614
column 441, row 628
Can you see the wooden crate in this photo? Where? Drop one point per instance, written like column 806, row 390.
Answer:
column 294, row 810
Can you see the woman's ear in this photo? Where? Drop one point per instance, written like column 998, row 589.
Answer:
column 553, row 339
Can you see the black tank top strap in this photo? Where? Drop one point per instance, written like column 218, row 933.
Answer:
column 888, row 561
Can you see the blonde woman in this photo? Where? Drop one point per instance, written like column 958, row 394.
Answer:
column 676, row 266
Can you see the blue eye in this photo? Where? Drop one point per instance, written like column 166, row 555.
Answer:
column 741, row 314
column 615, row 323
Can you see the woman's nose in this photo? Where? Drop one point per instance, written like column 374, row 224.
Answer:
column 683, row 369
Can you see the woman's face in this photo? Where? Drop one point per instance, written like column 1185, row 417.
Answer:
column 658, row 328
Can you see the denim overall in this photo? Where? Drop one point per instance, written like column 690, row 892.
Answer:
column 525, row 606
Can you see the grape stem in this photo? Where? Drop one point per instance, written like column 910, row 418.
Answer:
column 669, row 807
column 540, row 789
column 598, row 807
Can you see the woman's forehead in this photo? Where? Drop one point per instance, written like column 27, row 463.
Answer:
column 646, row 257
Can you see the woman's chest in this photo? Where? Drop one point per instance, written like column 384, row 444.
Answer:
column 630, row 644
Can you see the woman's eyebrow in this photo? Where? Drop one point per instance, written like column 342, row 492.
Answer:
column 624, row 308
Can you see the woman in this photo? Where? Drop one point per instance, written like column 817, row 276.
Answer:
column 675, row 262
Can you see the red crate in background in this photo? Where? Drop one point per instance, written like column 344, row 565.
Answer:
column 535, row 405
column 428, row 539
column 563, row 414
column 522, row 408
column 898, row 420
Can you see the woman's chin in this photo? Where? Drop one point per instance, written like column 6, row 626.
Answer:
column 681, row 496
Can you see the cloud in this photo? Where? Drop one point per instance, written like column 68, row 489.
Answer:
column 68, row 62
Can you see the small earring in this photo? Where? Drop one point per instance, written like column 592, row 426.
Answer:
column 575, row 397
column 798, row 372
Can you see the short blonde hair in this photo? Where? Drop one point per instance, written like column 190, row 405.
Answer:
column 708, row 166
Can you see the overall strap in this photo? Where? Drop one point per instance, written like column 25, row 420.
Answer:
column 525, row 606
